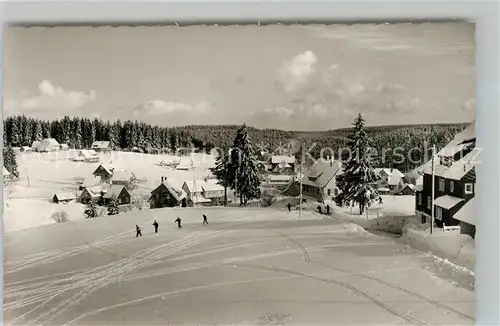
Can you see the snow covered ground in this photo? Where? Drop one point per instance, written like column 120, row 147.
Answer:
column 28, row 201
column 248, row 266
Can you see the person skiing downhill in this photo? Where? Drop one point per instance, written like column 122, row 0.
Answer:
column 289, row 206
column 327, row 209
column 155, row 224
column 205, row 220
column 320, row 210
column 178, row 221
column 137, row 231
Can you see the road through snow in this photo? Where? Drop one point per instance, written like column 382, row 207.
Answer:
column 248, row 266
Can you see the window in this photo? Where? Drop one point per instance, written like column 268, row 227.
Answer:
column 329, row 192
column 336, row 192
column 439, row 213
column 419, row 199
column 429, row 202
column 469, row 189
column 441, row 184
column 452, row 186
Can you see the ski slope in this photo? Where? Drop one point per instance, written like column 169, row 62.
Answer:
column 248, row 266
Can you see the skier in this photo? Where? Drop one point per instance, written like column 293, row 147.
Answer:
column 137, row 231
column 327, row 209
column 380, row 200
column 205, row 221
column 319, row 209
column 155, row 224
column 178, row 221
column 289, row 206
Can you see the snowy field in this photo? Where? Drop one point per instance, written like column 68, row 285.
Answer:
column 248, row 267
column 28, row 201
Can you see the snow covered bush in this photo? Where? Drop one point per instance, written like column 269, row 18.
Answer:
column 60, row 217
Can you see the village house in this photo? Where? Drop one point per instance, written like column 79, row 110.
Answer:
column 89, row 181
column 64, row 197
column 101, row 146
column 48, row 145
column 104, row 172
column 6, row 175
column 64, row 147
column 86, row 156
column 34, row 145
column 391, row 179
column 123, row 178
column 121, row 194
column 454, row 181
column 319, row 182
column 185, row 164
column 166, row 195
column 282, row 164
column 213, row 191
column 466, row 217
column 92, row 193
column 407, row 190
column 194, row 191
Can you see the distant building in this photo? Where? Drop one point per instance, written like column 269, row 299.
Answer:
column 391, row 179
column 213, row 191
column 63, row 197
column 101, row 146
column 91, row 193
column 407, row 190
column 282, row 164
column 121, row 194
column 194, row 191
column 87, row 156
column 186, row 164
column 319, row 182
column 123, row 178
column 166, row 195
column 48, row 145
column 64, row 147
column 34, row 145
column 6, row 174
column 104, row 172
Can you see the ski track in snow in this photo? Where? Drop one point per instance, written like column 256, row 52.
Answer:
column 40, row 299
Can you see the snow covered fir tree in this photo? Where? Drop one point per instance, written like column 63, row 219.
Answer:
column 221, row 171
column 91, row 209
column 358, row 182
column 10, row 161
column 113, row 206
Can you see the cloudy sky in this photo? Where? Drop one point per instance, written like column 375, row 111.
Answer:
column 311, row 77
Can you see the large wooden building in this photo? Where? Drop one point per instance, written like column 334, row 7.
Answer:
column 166, row 195
column 319, row 181
column 454, row 181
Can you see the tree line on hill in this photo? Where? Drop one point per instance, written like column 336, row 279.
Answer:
column 80, row 132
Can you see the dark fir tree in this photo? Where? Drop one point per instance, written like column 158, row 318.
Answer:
column 113, row 206
column 91, row 209
column 37, row 131
column 10, row 161
column 222, row 172
column 357, row 182
column 243, row 167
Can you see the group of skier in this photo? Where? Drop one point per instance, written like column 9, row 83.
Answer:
column 320, row 209
column 138, row 232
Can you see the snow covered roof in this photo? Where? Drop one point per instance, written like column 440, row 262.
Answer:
column 35, row 144
column 64, row 146
column 447, row 201
column 107, row 168
column 320, row 174
column 467, row 213
column 48, row 143
column 87, row 153
column 211, row 185
column 113, row 190
column 419, row 181
column 458, row 169
column 100, row 144
column 65, row 196
column 468, row 133
column 280, row 178
column 95, row 191
column 394, row 179
column 389, row 171
column 195, row 185
column 90, row 181
column 122, row 175
column 276, row 159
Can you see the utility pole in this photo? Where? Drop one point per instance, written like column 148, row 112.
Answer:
column 300, row 177
column 433, row 185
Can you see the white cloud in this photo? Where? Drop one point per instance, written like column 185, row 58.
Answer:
column 157, row 107
column 297, row 72
column 50, row 97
